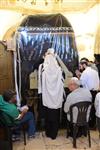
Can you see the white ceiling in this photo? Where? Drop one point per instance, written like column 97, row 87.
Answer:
column 79, row 13
column 53, row 6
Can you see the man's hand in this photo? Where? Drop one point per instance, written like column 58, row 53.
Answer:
column 25, row 110
column 23, row 113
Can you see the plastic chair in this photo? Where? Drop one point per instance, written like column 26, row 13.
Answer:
column 81, row 119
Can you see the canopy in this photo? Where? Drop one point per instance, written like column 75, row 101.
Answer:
column 38, row 33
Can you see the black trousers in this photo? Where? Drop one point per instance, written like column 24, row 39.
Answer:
column 92, row 122
column 52, row 122
column 41, row 114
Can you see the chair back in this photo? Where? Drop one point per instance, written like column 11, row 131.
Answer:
column 83, row 111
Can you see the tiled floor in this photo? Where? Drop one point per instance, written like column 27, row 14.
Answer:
column 41, row 142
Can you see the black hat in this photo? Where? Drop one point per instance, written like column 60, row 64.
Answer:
column 97, row 57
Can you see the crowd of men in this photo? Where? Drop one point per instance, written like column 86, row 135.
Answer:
column 84, row 86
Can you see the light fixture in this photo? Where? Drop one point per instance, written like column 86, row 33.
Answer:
column 57, row 1
column 33, row 2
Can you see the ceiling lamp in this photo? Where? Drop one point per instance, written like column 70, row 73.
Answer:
column 33, row 2
column 57, row 1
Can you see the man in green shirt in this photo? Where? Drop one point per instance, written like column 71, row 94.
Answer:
column 12, row 114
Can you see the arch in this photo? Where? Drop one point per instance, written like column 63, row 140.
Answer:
column 10, row 32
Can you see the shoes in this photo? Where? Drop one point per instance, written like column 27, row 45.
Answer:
column 93, row 128
column 15, row 138
column 51, row 136
column 31, row 136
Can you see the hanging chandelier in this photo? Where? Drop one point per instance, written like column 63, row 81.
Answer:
column 33, row 2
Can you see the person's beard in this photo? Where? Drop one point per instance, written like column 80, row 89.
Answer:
column 81, row 70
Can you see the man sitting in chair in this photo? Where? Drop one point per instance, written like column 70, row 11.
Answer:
column 13, row 115
column 78, row 94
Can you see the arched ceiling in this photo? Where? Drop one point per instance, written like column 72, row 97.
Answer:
column 48, row 6
column 84, row 16
column 10, row 32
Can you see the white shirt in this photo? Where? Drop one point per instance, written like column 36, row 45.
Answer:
column 90, row 79
column 78, row 95
column 97, row 104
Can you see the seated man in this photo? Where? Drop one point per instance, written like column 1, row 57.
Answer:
column 78, row 94
column 8, row 106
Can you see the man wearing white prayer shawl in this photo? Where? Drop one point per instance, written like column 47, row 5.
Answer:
column 52, row 89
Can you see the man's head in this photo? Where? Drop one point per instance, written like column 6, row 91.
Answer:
column 50, row 51
column 83, row 65
column 9, row 96
column 74, row 83
column 84, row 59
column 97, row 58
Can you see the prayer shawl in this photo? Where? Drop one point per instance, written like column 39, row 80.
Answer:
column 40, row 78
column 52, row 83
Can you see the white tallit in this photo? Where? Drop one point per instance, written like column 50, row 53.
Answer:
column 52, row 83
column 40, row 79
